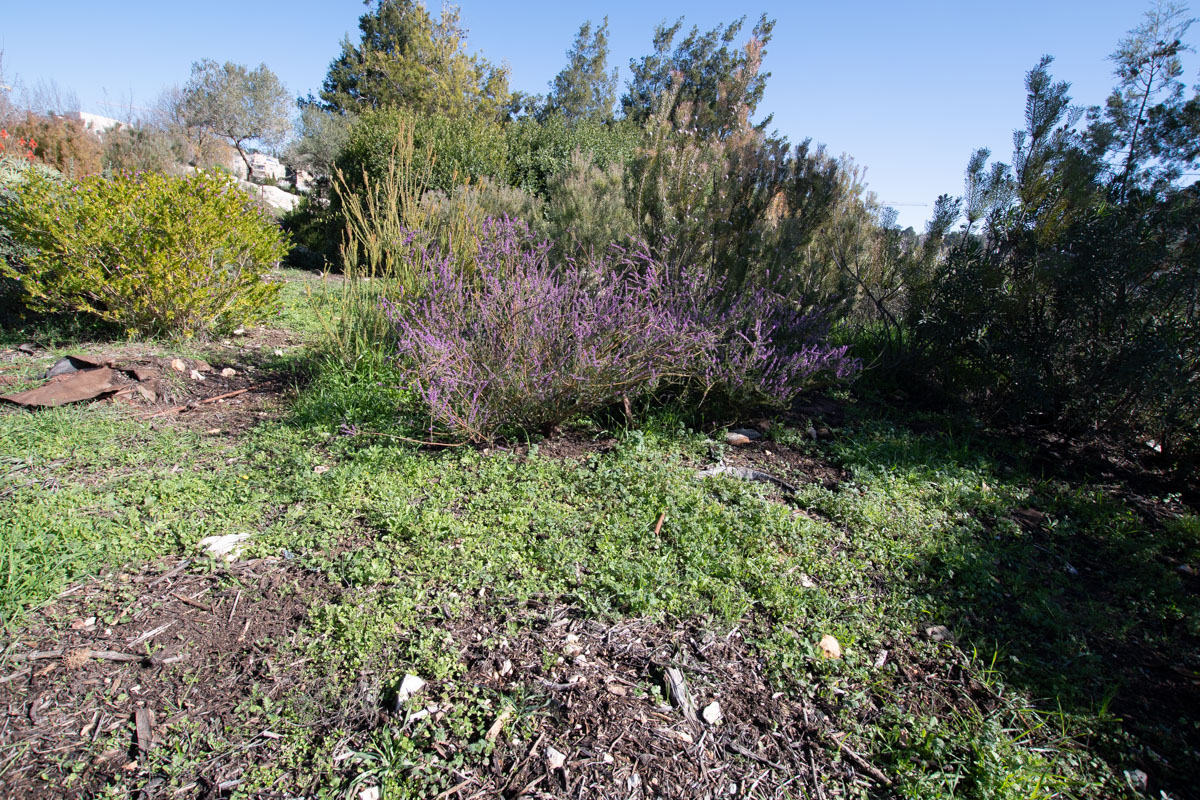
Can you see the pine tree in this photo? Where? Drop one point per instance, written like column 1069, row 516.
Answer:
column 407, row 59
column 698, row 74
column 1148, row 68
column 585, row 89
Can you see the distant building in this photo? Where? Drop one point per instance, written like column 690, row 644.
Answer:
column 303, row 180
column 264, row 167
column 94, row 122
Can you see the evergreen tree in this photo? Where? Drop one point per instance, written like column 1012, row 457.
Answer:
column 697, row 74
column 585, row 88
column 407, row 59
column 1148, row 68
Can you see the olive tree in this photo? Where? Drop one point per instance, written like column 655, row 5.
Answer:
column 238, row 104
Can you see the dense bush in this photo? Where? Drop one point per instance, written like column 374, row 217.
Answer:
column 153, row 253
column 454, row 220
column 454, row 150
column 586, row 209
column 540, row 150
column 16, row 165
column 523, row 344
column 1078, row 303
column 140, row 149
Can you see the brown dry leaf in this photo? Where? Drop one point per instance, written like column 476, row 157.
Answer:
column 498, row 725
column 74, row 659
column 830, row 647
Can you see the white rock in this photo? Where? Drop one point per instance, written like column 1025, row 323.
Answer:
column 369, row 793
column 555, row 759
column 240, row 332
column 749, row 433
column 712, row 713
column 409, row 687
column 197, row 375
column 179, row 365
column 228, row 372
column 228, row 546
column 1137, row 779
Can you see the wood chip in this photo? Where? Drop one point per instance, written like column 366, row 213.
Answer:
column 144, row 722
column 680, row 694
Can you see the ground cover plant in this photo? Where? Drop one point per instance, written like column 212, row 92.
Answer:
column 985, row 608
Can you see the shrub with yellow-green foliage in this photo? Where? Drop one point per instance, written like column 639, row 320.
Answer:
column 156, row 254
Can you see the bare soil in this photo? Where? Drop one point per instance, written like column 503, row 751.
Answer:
column 194, row 646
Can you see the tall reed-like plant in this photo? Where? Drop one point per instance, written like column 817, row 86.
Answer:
column 378, row 245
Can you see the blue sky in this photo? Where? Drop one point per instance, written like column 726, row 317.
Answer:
column 908, row 89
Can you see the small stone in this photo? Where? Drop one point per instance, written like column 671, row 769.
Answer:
column 938, row 633
column 179, row 365
column 712, row 713
column 1137, row 780
column 572, row 647
column 555, row 759
column 228, row 546
column 736, row 439
column 506, row 668
column 240, row 332
column 278, row 352
column 228, row 372
column 369, row 793
column 749, row 433
column 806, row 581
column 320, row 469
column 197, row 375
column 408, row 687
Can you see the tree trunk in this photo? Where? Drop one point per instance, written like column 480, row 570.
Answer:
column 245, row 160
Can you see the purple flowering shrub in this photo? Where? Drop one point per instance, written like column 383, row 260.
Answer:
column 521, row 343
column 766, row 351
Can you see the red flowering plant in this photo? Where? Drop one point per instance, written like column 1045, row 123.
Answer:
column 25, row 148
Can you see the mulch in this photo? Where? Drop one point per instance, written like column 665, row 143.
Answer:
column 176, row 650
column 620, row 739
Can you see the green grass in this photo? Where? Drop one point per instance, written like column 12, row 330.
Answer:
column 923, row 534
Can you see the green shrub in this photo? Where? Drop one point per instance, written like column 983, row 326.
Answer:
column 538, row 151
column 141, row 149
column 155, row 254
column 14, row 169
column 454, row 149
column 586, row 209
